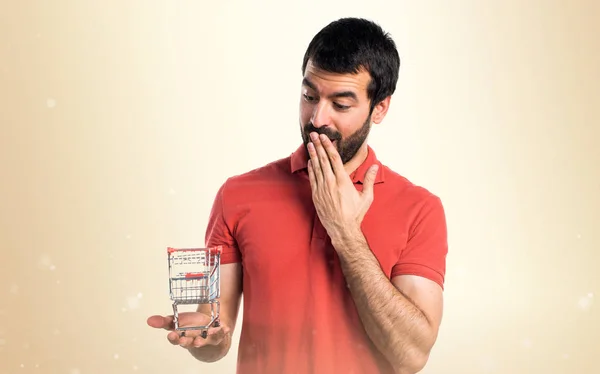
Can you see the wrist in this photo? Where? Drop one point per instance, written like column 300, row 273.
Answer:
column 350, row 237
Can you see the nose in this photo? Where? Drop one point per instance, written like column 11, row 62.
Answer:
column 321, row 116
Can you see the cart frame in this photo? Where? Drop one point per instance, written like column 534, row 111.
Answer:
column 194, row 278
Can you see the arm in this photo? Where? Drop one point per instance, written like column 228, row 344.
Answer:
column 218, row 341
column 231, row 293
column 219, row 233
column 401, row 317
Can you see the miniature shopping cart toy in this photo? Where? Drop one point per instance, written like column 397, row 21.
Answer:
column 194, row 277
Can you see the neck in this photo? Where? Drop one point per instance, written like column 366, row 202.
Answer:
column 357, row 160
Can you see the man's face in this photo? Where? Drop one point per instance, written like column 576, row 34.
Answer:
column 336, row 105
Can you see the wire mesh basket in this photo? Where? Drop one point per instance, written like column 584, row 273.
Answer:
column 194, row 279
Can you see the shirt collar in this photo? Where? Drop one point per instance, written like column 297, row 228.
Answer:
column 299, row 160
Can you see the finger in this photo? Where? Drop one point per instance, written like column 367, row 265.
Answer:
column 160, row 322
column 324, row 158
column 183, row 338
column 168, row 322
column 179, row 336
column 214, row 337
column 196, row 339
column 190, row 341
column 185, row 319
column 333, row 156
column 370, row 177
column 311, row 176
column 316, row 166
column 175, row 338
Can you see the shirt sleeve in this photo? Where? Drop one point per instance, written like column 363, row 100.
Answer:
column 219, row 233
column 427, row 246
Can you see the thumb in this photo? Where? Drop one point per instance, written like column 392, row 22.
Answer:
column 370, row 180
column 160, row 322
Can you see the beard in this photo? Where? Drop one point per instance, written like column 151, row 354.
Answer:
column 348, row 147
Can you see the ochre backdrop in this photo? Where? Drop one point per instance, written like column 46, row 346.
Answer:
column 120, row 119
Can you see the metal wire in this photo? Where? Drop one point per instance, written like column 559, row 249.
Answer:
column 194, row 276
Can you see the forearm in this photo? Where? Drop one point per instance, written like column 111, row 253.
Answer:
column 396, row 326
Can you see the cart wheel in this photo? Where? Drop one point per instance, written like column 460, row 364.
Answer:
column 217, row 324
column 204, row 334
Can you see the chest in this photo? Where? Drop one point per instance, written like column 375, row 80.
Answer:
column 279, row 233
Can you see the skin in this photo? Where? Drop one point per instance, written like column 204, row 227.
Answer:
column 402, row 315
column 324, row 110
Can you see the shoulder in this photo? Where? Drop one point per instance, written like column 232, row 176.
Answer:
column 408, row 191
column 411, row 204
column 267, row 175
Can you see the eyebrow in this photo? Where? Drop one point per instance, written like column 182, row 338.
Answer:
column 348, row 94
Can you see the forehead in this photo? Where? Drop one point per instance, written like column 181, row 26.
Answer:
column 329, row 83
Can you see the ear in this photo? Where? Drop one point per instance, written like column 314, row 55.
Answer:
column 381, row 110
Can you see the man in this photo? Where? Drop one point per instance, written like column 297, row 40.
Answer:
column 341, row 261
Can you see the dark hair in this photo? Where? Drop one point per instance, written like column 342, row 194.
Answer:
column 348, row 45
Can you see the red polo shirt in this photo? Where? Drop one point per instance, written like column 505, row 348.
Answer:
column 298, row 315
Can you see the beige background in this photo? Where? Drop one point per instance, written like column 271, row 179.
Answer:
column 120, row 119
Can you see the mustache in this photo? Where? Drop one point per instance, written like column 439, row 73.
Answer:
column 308, row 128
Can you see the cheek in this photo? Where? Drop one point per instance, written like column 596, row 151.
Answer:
column 350, row 124
column 305, row 112
column 345, row 126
